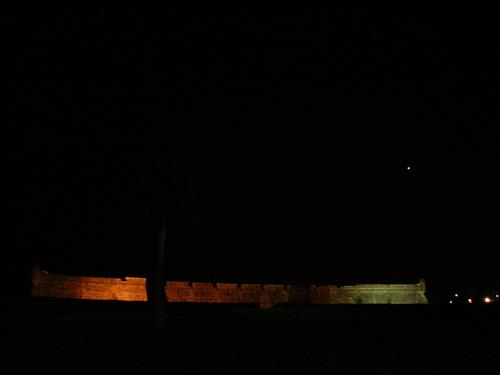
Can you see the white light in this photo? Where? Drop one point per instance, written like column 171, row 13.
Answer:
column 451, row 302
column 487, row 299
column 456, row 294
column 497, row 296
column 469, row 300
column 408, row 167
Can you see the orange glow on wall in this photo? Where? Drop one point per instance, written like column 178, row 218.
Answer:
column 265, row 295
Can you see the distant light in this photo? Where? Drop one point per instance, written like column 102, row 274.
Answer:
column 408, row 167
column 497, row 296
column 487, row 299
column 451, row 302
column 456, row 294
column 469, row 300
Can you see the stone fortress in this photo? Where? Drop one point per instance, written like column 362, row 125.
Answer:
column 264, row 295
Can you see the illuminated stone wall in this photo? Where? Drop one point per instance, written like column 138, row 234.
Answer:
column 266, row 295
column 83, row 287
column 382, row 294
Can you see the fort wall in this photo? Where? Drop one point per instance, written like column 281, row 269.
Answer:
column 265, row 295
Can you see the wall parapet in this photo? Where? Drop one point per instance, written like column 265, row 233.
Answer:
column 266, row 295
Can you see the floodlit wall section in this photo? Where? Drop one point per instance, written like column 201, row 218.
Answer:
column 266, row 295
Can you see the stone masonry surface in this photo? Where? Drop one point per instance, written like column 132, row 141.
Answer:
column 265, row 295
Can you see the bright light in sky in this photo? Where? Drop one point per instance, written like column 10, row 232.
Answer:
column 408, row 168
column 487, row 299
column 456, row 294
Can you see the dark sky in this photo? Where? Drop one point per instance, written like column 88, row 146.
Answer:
column 277, row 141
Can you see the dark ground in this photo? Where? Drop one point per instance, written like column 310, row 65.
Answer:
column 78, row 337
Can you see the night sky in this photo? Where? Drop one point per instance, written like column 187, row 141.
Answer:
column 287, row 145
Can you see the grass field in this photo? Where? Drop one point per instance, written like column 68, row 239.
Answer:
column 78, row 337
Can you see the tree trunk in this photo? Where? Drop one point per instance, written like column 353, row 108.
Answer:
column 158, row 281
